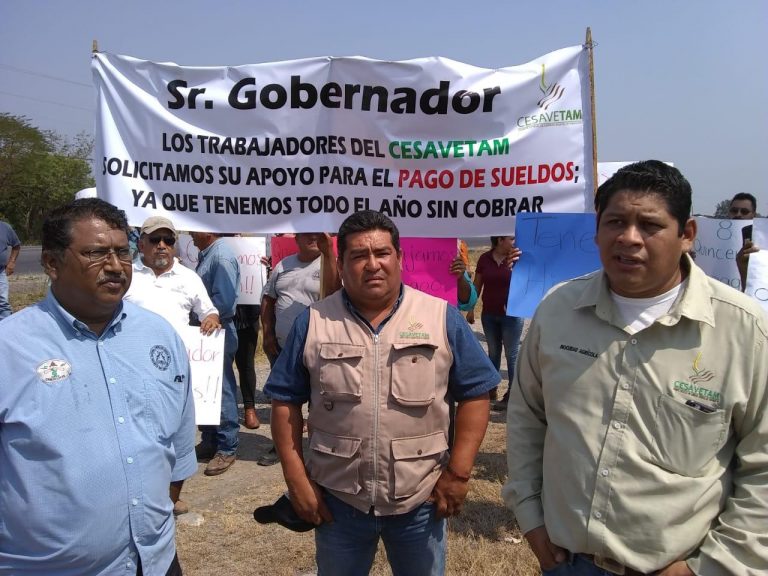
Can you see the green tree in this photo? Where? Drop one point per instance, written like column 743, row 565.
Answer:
column 39, row 170
column 721, row 210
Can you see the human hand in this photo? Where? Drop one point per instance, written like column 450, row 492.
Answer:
column 742, row 257
column 307, row 501
column 548, row 554
column 471, row 317
column 449, row 494
column 210, row 324
column 10, row 267
column 512, row 258
column 458, row 267
column 679, row 568
column 325, row 244
column 269, row 345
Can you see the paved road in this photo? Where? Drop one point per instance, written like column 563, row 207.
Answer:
column 28, row 261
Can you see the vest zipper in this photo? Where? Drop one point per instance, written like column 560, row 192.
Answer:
column 375, row 443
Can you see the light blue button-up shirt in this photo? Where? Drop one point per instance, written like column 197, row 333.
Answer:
column 92, row 431
column 218, row 267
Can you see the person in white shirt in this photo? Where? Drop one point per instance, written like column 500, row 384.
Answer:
column 168, row 288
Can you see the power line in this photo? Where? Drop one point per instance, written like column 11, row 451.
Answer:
column 48, row 76
column 46, row 101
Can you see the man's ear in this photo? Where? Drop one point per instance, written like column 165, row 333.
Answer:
column 51, row 263
column 689, row 234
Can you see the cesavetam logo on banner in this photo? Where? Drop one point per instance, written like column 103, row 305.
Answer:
column 299, row 145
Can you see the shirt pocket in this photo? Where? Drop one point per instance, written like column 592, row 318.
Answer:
column 341, row 371
column 414, row 460
column 413, row 374
column 163, row 409
column 334, row 461
column 686, row 438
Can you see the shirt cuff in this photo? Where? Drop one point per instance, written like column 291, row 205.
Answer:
column 530, row 515
column 185, row 467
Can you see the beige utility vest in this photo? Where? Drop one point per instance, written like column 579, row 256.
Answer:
column 378, row 418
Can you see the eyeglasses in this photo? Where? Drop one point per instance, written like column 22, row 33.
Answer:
column 169, row 240
column 740, row 211
column 101, row 255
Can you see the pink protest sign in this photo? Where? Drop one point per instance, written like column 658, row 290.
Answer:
column 427, row 266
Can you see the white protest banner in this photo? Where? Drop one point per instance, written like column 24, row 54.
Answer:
column 249, row 250
column 206, row 361
column 716, row 244
column 757, row 271
column 296, row 146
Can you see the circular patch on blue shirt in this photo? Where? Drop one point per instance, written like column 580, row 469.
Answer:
column 54, row 370
column 160, row 357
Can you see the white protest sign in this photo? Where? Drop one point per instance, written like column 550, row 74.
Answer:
column 249, row 251
column 206, row 361
column 716, row 244
column 297, row 146
column 757, row 271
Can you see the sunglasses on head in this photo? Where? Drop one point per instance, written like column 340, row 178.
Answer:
column 169, row 240
column 740, row 211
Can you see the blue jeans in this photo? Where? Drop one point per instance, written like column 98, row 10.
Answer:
column 5, row 304
column 225, row 436
column 576, row 566
column 504, row 330
column 415, row 541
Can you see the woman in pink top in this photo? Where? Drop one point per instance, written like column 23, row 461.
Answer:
column 493, row 274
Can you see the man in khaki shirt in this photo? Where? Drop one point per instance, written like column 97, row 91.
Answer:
column 636, row 429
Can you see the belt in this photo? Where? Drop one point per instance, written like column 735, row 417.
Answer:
column 611, row 565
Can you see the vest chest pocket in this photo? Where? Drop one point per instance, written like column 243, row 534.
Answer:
column 415, row 459
column 341, row 371
column 334, row 461
column 413, row 373
column 685, row 438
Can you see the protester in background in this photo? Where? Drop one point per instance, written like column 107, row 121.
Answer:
column 466, row 293
column 744, row 207
column 247, row 324
column 96, row 413
column 377, row 359
column 493, row 275
column 9, row 252
column 168, row 288
column 293, row 285
column 637, row 429
column 219, row 269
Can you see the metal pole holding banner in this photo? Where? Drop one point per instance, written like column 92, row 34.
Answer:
column 95, row 47
column 588, row 44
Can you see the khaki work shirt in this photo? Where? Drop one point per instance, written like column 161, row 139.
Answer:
column 645, row 448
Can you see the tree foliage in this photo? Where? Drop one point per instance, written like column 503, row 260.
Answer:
column 39, row 170
column 721, row 210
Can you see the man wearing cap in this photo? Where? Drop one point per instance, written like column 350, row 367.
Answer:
column 378, row 359
column 219, row 270
column 168, row 288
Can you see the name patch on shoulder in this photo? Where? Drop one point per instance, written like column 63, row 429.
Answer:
column 54, row 370
column 160, row 357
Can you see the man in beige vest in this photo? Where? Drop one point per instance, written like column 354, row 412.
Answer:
column 377, row 360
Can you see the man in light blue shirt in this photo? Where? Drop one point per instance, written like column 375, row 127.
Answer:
column 96, row 413
column 9, row 251
column 218, row 267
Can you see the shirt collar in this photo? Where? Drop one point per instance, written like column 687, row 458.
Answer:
column 694, row 303
column 69, row 322
column 354, row 311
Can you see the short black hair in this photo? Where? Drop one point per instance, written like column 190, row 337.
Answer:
column 364, row 221
column 57, row 228
column 746, row 196
column 650, row 177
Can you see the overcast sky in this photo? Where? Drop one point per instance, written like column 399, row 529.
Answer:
column 681, row 81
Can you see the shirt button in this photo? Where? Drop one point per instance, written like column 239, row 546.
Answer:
column 129, row 460
column 604, row 472
column 617, row 425
column 625, row 386
column 121, row 420
column 127, row 564
column 633, row 341
column 598, row 515
column 101, row 343
column 112, row 380
column 135, row 502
